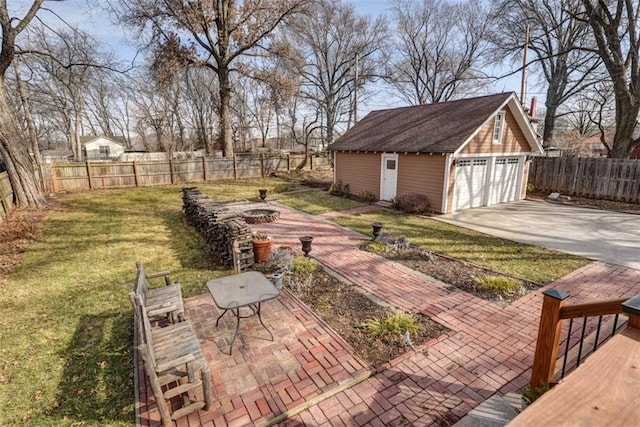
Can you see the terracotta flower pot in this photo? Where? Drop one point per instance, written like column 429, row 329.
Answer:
column 262, row 250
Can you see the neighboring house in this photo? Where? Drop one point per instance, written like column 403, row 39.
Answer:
column 460, row 154
column 101, row 148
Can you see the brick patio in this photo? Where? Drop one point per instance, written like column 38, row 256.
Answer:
column 489, row 350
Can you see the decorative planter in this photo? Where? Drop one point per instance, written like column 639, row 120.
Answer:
column 377, row 226
column 263, row 194
column 262, row 250
column 306, row 244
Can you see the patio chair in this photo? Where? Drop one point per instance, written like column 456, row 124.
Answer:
column 174, row 364
column 163, row 303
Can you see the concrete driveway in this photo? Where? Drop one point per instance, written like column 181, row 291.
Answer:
column 599, row 235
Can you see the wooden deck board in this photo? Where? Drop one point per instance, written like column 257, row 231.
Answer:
column 604, row 390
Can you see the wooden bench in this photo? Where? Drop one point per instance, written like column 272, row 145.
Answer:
column 161, row 303
column 175, row 365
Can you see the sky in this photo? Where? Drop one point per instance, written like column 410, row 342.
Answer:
column 94, row 20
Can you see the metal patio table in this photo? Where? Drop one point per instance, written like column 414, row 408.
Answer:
column 232, row 293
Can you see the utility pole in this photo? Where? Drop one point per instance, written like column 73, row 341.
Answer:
column 523, row 85
column 355, row 95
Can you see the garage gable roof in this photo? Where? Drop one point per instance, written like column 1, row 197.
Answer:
column 442, row 127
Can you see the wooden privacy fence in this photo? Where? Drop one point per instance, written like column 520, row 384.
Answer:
column 598, row 178
column 6, row 195
column 98, row 175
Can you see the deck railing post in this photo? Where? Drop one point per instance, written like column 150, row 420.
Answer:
column 631, row 307
column 544, row 361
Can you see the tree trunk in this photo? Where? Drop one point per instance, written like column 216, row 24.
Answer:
column 549, row 123
column 554, row 94
column 225, row 134
column 33, row 137
column 13, row 149
column 627, row 110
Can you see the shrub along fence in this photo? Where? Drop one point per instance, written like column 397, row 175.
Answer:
column 98, row 175
column 6, row 196
column 598, row 178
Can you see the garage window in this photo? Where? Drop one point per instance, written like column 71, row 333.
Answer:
column 497, row 128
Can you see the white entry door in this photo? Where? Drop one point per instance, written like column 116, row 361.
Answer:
column 505, row 181
column 471, row 181
column 389, row 181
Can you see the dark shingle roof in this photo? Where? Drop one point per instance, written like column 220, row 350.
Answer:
column 435, row 128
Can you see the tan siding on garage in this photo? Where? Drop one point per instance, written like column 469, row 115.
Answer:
column 422, row 174
column 360, row 170
column 513, row 140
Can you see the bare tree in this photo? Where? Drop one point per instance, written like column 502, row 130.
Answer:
column 323, row 47
column 261, row 107
column 14, row 146
column 281, row 87
column 63, row 70
column 211, row 34
column 615, row 26
column 201, row 98
column 438, row 49
column 302, row 133
column 555, row 40
column 590, row 111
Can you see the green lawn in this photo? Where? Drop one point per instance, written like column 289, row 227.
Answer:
column 66, row 321
column 66, row 324
column 526, row 261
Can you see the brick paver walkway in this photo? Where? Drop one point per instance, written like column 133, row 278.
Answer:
column 489, row 349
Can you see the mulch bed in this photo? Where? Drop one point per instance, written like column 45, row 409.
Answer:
column 345, row 309
column 459, row 275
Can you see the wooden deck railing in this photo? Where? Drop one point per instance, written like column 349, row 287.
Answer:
column 554, row 311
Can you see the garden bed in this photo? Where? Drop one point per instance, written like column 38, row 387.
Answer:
column 346, row 309
column 457, row 274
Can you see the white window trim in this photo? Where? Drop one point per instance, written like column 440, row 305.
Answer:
column 498, row 127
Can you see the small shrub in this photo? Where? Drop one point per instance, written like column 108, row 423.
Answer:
column 393, row 324
column 414, row 203
column 340, row 189
column 530, row 188
column 500, row 285
column 376, row 247
column 366, row 196
column 395, row 242
column 282, row 258
column 303, row 265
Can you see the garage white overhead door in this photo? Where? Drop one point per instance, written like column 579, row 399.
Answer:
column 470, row 185
column 505, row 180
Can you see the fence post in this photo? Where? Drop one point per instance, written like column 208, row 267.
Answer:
column 262, row 164
column 631, row 307
column 135, row 173
column 204, row 168
column 288, row 162
column 171, row 173
column 544, row 362
column 89, row 175
column 311, row 161
column 235, row 167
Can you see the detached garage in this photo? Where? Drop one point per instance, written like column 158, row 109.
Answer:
column 460, row 154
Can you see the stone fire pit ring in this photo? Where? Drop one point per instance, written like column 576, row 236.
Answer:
column 260, row 216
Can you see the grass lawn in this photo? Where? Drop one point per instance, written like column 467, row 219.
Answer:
column 66, row 325
column 315, row 201
column 526, row 261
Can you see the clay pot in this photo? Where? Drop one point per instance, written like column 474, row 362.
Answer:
column 262, row 250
